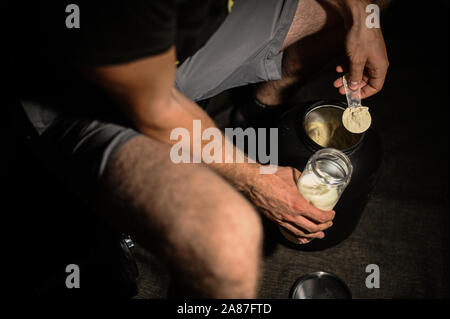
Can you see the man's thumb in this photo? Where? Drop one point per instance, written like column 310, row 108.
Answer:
column 355, row 74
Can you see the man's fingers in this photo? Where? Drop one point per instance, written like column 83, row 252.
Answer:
column 338, row 83
column 306, row 224
column 310, row 226
column 367, row 91
column 365, row 79
column 355, row 73
column 296, row 174
column 315, row 214
column 375, row 83
column 339, row 69
column 299, row 233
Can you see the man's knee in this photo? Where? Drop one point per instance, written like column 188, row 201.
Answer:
column 236, row 241
column 220, row 254
column 223, row 249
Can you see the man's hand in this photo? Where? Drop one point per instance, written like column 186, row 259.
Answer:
column 277, row 197
column 366, row 52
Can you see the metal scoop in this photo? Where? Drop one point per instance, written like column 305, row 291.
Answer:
column 353, row 96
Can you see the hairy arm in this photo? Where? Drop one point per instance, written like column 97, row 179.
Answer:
column 144, row 91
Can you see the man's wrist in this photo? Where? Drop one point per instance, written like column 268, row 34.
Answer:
column 357, row 9
column 241, row 175
column 352, row 11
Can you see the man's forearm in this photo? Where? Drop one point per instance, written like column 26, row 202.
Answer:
column 143, row 89
column 351, row 11
column 181, row 114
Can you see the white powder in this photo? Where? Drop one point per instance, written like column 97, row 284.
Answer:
column 319, row 132
column 356, row 119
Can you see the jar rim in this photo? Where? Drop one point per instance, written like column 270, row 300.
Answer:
column 347, row 169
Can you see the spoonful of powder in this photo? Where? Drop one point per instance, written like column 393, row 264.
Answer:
column 356, row 118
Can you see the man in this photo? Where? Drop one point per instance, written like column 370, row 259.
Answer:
column 103, row 99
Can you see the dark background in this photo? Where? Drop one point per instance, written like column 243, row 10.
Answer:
column 404, row 228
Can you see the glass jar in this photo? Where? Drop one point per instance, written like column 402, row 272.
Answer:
column 323, row 181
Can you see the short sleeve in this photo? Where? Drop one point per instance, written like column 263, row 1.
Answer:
column 118, row 31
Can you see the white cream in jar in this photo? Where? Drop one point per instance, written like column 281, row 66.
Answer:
column 322, row 182
column 318, row 193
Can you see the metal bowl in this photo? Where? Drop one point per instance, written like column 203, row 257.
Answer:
column 320, row 285
column 323, row 125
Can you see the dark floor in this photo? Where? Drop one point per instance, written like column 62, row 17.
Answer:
column 404, row 228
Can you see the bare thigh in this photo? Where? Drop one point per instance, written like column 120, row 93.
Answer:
column 188, row 215
column 312, row 16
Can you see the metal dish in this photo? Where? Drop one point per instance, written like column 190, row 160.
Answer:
column 320, row 285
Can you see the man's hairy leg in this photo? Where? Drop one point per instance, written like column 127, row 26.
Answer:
column 315, row 35
column 301, row 60
column 206, row 232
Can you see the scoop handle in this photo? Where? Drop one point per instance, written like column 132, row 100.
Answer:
column 353, row 96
